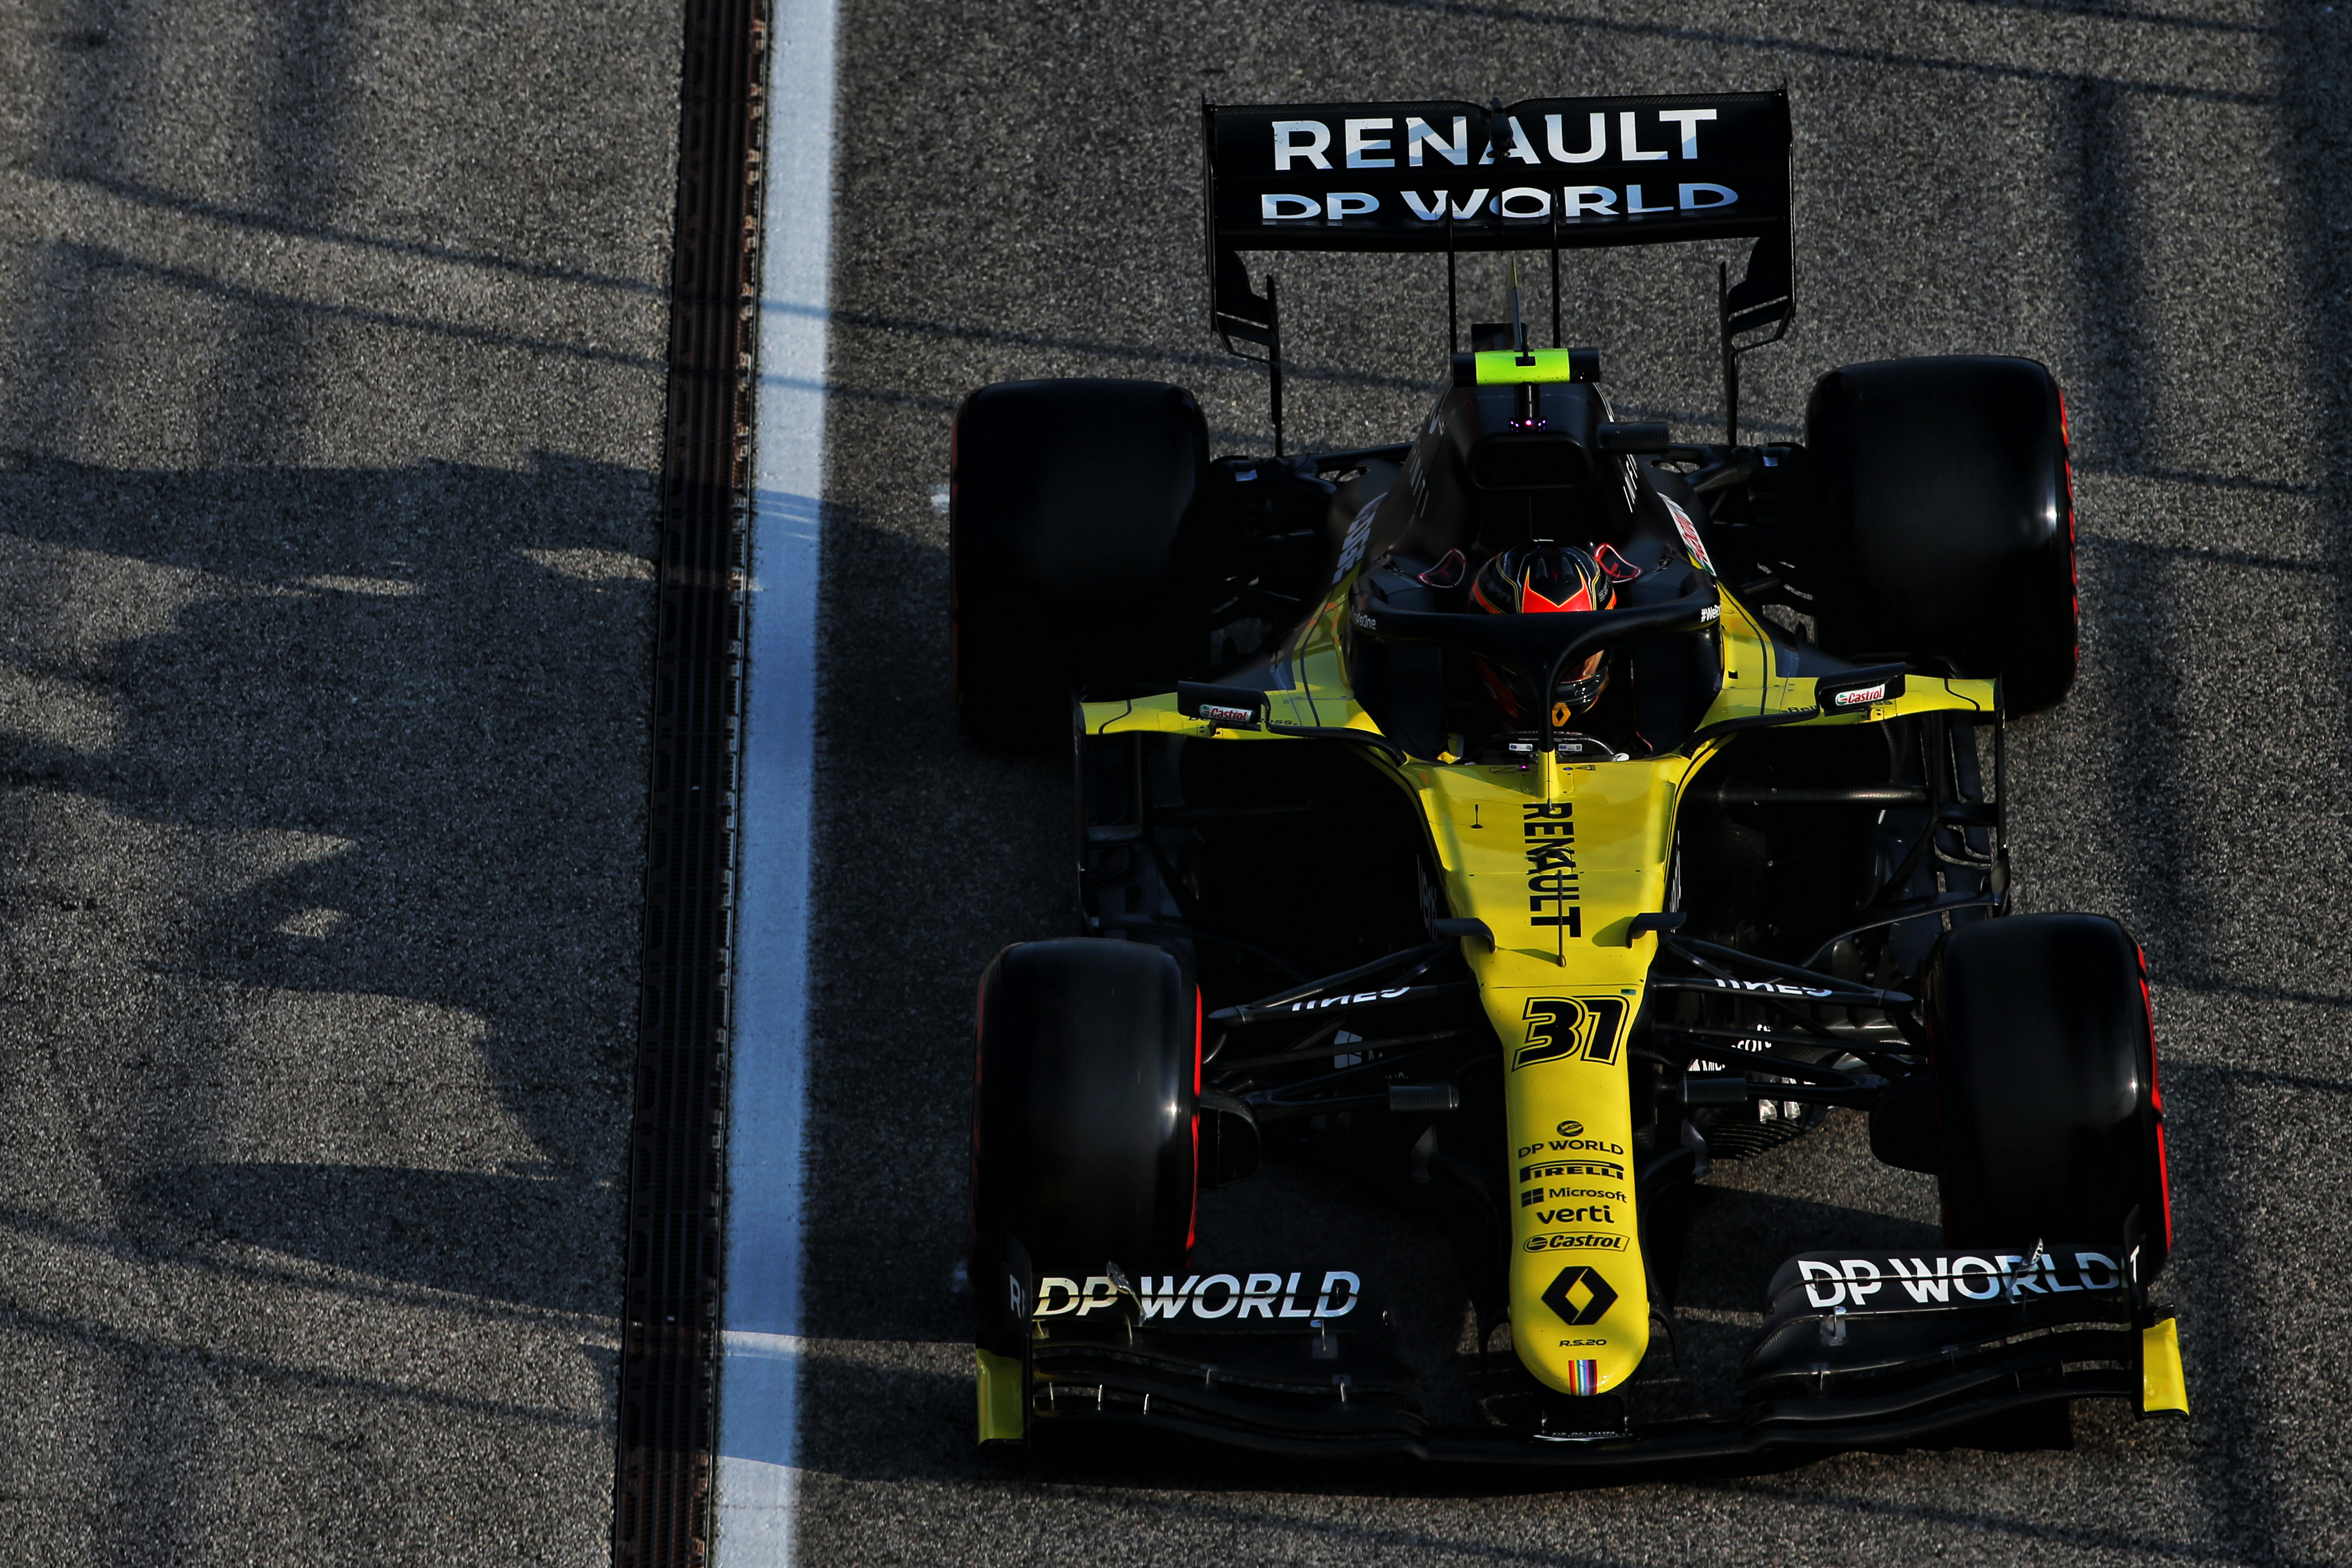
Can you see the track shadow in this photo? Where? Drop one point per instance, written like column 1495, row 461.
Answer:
column 320, row 836
column 427, row 682
column 476, row 1234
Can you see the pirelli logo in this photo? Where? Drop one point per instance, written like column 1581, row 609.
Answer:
column 1556, row 1170
column 1584, row 1028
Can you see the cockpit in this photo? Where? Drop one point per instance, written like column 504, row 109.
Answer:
column 1521, row 469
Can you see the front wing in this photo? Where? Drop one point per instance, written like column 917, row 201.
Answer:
column 1858, row 1350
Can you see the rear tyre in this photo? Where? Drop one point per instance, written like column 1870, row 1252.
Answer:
column 1069, row 503
column 1085, row 1105
column 2049, row 1118
column 1946, row 520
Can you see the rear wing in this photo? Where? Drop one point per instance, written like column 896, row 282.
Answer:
column 1546, row 173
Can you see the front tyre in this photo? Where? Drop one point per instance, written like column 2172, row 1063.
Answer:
column 2050, row 1121
column 1084, row 1128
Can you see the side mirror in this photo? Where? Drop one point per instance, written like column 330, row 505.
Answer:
column 1858, row 689
column 1233, row 707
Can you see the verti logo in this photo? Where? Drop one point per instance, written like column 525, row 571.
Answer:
column 1580, row 1295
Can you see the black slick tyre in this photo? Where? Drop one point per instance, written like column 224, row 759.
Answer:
column 2049, row 1118
column 1070, row 501
column 1085, row 1110
column 1946, row 521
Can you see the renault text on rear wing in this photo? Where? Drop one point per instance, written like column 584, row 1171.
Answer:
column 1424, row 176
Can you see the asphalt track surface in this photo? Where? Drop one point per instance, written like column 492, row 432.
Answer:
column 330, row 377
column 2153, row 200
column 330, row 397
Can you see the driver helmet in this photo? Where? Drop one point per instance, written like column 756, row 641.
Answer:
column 1543, row 579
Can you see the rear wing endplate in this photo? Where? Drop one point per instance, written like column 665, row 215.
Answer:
column 1546, row 173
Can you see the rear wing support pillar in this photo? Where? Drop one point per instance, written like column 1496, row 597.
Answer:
column 1557, row 341
column 1237, row 311
column 1453, row 293
column 1764, row 298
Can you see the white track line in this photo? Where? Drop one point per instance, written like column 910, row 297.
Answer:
column 759, row 1388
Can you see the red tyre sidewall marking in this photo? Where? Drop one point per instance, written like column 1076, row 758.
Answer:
column 2156, row 1098
column 1193, row 1224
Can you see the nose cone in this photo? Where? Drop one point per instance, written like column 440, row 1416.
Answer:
column 1580, row 1297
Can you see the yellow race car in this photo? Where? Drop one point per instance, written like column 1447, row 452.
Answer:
column 1548, row 808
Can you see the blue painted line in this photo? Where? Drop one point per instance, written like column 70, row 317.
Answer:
column 760, row 1375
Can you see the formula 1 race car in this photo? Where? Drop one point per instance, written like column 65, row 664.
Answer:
column 1522, row 818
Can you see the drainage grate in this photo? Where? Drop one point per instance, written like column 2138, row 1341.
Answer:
column 662, row 1494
